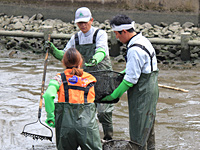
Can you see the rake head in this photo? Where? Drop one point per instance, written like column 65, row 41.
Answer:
column 36, row 137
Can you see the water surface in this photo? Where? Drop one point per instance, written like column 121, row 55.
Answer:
column 178, row 116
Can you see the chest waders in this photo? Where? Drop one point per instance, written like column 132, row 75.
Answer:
column 88, row 50
column 142, row 101
column 76, row 124
column 104, row 110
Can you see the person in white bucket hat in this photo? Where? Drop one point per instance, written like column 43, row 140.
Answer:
column 92, row 43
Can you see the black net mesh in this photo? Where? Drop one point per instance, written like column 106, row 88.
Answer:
column 107, row 82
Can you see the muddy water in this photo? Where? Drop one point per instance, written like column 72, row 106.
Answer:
column 178, row 117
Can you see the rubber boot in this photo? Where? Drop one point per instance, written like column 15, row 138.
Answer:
column 105, row 118
column 108, row 132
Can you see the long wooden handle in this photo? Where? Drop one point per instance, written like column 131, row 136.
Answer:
column 173, row 88
column 43, row 78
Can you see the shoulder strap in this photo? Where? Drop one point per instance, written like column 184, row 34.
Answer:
column 76, row 39
column 67, row 87
column 95, row 35
column 144, row 48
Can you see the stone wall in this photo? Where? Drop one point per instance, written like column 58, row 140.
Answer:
column 166, row 54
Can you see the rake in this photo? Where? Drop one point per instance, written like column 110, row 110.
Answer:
column 37, row 136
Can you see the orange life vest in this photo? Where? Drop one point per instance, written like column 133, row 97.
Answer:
column 75, row 89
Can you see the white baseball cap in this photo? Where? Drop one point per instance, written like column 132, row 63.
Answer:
column 83, row 14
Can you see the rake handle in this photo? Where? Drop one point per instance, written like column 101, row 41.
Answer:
column 43, row 79
column 173, row 88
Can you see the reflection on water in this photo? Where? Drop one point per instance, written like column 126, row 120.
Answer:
column 177, row 122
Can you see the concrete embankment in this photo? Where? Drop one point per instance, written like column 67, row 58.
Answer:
column 66, row 13
column 165, row 53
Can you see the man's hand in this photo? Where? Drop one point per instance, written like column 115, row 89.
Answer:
column 92, row 62
column 58, row 54
column 123, row 72
column 49, row 45
column 117, row 93
column 108, row 98
column 97, row 58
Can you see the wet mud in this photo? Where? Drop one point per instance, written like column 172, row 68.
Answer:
column 177, row 122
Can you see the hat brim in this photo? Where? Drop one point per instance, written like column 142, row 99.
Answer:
column 82, row 20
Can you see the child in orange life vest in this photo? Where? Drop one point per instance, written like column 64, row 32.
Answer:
column 75, row 111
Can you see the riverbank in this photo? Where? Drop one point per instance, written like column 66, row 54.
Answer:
column 166, row 54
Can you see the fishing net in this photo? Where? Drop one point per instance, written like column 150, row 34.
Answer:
column 120, row 145
column 107, row 82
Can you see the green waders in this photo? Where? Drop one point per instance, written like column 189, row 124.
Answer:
column 76, row 125
column 142, row 101
column 104, row 110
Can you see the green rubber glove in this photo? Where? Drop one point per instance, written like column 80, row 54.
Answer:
column 98, row 57
column 58, row 54
column 117, row 93
column 92, row 62
column 50, row 121
column 49, row 97
column 123, row 72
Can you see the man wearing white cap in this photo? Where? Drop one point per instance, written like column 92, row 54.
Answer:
column 140, row 82
column 92, row 43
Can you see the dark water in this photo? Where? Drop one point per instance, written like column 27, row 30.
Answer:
column 178, row 117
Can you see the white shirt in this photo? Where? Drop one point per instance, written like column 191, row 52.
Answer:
column 87, row 38
column 138, row 61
